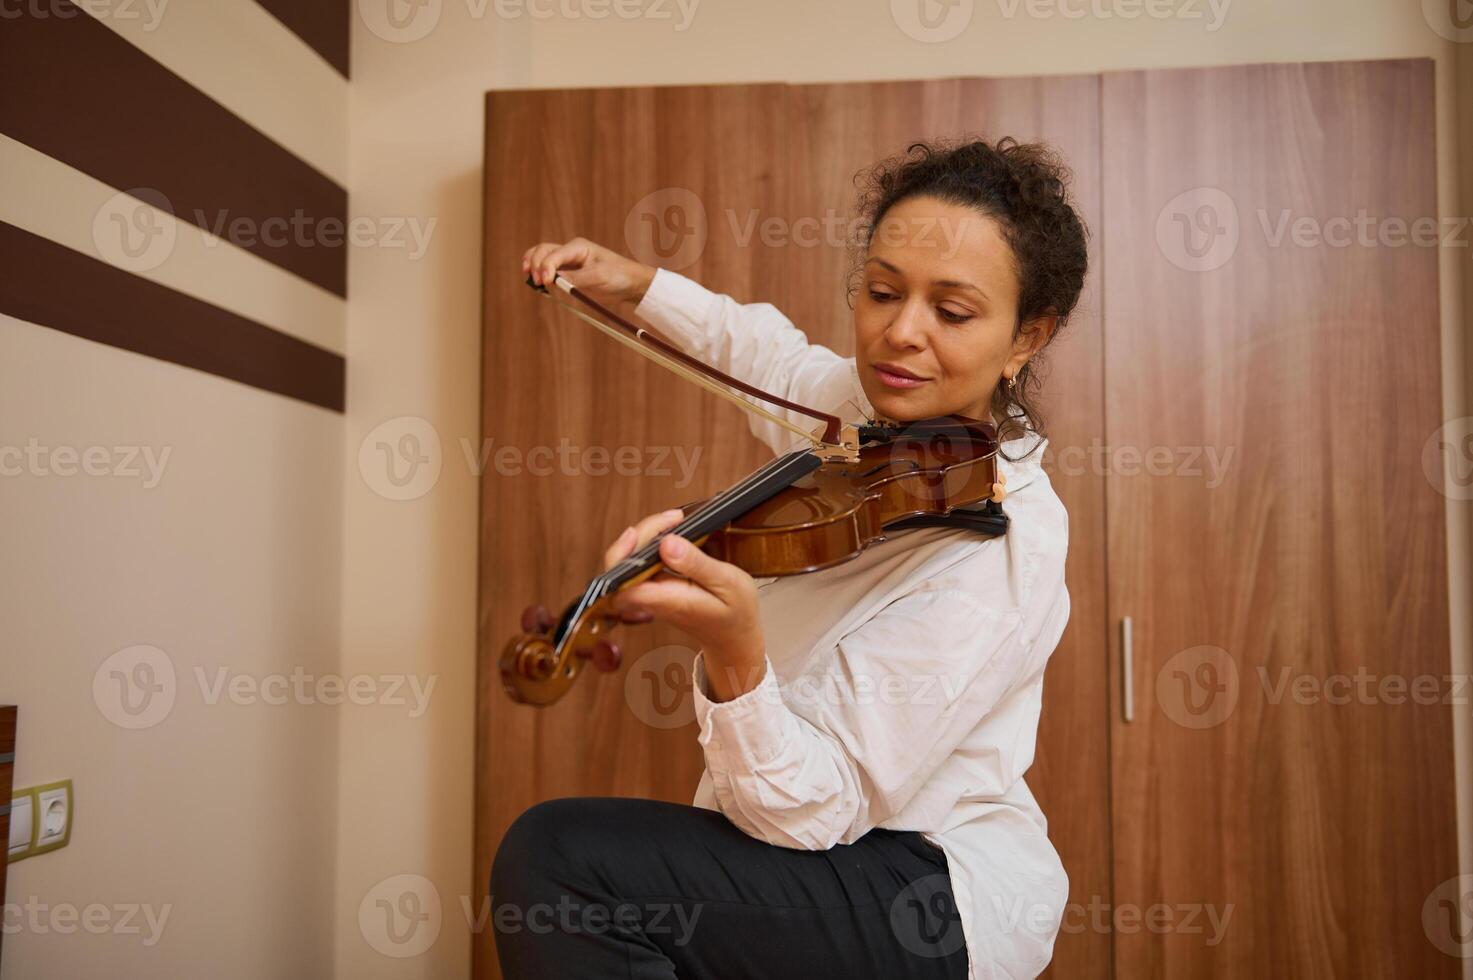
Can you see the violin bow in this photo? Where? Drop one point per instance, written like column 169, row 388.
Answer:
column 838, row 439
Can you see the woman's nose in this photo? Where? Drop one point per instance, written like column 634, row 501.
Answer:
column 908, row 329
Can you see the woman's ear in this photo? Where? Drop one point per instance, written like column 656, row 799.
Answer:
column 1032, row 337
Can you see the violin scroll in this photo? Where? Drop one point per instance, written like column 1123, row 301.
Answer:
column 537, row 667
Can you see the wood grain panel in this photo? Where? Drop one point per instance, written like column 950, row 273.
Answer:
column 843, row 127
column 560, row 164
column 1318, row 552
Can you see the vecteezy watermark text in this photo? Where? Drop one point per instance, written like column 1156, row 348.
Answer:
column 1125, row 918
column 137, row 687
column 300, row 687
column 95, row 918
column 124, row 462
column 150, row 12
column 406, row 21
column 401, row 459
column 1200, row 229
column 571, row 917
column 1099, row 459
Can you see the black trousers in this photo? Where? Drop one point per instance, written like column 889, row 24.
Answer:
column 638, row 889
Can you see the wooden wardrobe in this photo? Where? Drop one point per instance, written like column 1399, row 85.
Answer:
column 1236, row 427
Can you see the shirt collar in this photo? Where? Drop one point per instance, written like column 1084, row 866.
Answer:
column 1019, row 461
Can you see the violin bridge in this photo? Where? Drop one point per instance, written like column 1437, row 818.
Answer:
column 847, row 449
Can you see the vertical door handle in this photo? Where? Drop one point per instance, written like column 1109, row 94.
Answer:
column 1127, row 669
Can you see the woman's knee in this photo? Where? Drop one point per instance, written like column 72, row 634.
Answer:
column 541, row 847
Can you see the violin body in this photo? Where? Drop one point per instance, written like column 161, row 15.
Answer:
column 801, row 513
column 841, row 508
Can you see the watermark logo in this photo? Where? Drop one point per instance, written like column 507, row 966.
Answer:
column 409, row 234
column 1210, row 464
column 657, row 687
column 1447, row 916
column 403, row 21
column 1362, row 687
column 925, row 919
column 667, row 228
column 1212, row 12
column 568, row 459
column 299, row 687
column 1099, row 915
column 400, row 21
column 401, row 916
column 401, row 458
column 1198, row 687
column 571, row 917
column 938, row 480
column 1199, row 229
column 135, row 687
column 135, row 230
column 1447, row 459
column 1450, row 19
column 932, row 21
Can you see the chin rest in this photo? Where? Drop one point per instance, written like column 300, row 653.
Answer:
column 986, row 519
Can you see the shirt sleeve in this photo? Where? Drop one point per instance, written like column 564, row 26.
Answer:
column 750, row 341
column 914, row 680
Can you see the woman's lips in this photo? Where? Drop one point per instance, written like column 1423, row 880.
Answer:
column 888, row 377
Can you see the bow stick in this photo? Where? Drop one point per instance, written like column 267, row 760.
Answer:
column 837, row 439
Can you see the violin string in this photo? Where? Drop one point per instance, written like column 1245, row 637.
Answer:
column 652, row 547
column 640, row 559
column 602, row 584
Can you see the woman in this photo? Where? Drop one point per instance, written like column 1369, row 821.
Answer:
column 865, row 728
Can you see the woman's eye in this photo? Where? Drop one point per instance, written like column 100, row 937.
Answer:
column 880, row 297
column 953, row 316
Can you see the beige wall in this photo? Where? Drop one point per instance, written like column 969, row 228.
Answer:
column 217, row 816
column 415, row 135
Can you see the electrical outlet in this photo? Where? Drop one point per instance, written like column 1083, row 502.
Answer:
column 54, row 815
column 47, row 811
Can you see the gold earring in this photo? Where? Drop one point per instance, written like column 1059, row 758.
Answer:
column 1012, row 383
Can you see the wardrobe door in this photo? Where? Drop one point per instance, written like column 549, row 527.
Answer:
column 746, row 189
column 582, row 436
column 1283, row 798
column 836, row 130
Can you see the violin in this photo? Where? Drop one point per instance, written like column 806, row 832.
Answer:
column 808, row 509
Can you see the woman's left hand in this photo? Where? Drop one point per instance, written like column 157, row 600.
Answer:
column 715, row 602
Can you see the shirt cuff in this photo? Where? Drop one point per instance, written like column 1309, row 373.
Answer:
column 679, row 307
column 752, row 728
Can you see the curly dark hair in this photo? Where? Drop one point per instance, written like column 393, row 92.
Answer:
column 1025, row 188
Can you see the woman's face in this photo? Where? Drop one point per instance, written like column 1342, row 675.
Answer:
column 938, row 301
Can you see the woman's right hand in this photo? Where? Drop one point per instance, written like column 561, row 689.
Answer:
column 602, row 273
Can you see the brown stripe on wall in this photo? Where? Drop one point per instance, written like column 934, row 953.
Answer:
column 323, row 24
column 78, row 92
column 54, row 286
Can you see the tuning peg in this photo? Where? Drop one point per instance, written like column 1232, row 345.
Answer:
column 536, row 619
column 607, row 656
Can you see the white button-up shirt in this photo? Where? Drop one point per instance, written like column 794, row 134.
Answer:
column 902, row 688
